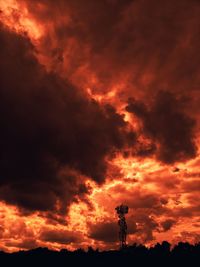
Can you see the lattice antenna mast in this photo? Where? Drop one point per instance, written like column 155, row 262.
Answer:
column 121, row 211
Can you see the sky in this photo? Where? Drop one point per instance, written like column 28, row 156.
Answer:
column 99, row 105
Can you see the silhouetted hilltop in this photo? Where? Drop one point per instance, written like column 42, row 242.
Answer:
column 183, row 254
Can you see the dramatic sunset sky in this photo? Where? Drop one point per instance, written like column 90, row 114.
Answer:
column 99, row 105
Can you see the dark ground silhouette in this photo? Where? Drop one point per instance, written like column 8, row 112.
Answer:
column 183, row 254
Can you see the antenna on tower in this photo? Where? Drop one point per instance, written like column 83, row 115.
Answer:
column 121, row 211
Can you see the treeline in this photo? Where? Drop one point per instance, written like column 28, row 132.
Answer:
column 182, row 254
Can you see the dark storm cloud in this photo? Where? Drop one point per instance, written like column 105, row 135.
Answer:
column 168, row 125
column 24, row 244
column 167, row 224
column 59, row 236
column 51, row 134
column 147, row 45
column 134, row 37
column 105, row 231
column 88, row 24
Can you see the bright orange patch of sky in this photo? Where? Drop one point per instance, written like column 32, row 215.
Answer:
column 136, row 177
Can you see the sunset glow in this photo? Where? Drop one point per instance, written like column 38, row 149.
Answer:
column 98, row 111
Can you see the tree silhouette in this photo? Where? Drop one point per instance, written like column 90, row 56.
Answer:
column 134, row 255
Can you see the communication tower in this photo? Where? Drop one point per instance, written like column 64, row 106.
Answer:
column 121, row 211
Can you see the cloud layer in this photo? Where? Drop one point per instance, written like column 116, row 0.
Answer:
column 99, row 105
column 51, row 134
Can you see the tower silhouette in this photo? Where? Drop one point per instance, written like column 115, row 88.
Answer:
column 121, row 211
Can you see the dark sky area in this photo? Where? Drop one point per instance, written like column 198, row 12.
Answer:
column 99, row 105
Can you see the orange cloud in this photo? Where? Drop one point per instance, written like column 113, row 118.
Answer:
column 74, row 146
